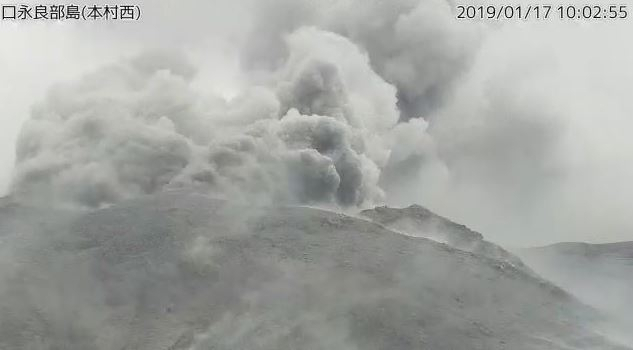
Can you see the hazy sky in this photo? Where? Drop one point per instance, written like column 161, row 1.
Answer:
column 535, row 133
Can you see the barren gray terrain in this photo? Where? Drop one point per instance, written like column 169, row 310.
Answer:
column 184, row 271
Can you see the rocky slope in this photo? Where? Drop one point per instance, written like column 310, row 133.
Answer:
column 185, row 271
column 418, row 221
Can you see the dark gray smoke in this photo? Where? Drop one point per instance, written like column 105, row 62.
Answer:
column 417, row 46
column 317, row 125
column 320, row 130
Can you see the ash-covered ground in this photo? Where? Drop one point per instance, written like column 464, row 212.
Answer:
column 182, row 270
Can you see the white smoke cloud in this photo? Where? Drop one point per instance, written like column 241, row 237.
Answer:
column 535, row 147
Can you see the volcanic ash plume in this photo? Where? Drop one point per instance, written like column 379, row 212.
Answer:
column 320, row 130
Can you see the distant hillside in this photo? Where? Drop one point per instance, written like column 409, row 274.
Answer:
column 622, row 251
column 599, row 274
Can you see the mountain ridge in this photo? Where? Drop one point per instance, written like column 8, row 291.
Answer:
column 186, row 271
